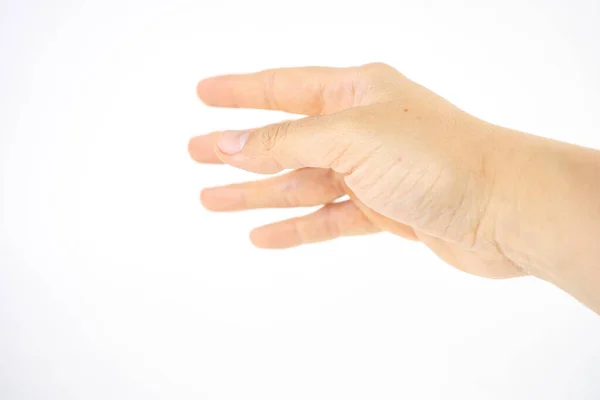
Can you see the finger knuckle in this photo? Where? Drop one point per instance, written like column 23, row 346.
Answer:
column 378, row 69
column 376, row 77
column 331, row 226
column 269, row 89
column 274, row 135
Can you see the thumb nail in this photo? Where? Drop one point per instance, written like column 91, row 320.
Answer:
column 232, row 142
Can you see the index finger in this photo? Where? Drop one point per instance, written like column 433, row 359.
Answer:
column 307, row 90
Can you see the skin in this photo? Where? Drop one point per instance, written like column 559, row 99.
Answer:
column 488, row 200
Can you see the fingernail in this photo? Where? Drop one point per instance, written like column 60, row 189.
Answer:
column 231, row 142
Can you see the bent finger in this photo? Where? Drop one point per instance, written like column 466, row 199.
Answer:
column 330, row 222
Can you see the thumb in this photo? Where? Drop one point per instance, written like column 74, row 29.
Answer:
column 325, row 141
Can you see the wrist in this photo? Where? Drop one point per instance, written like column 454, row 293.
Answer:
column 547, row 212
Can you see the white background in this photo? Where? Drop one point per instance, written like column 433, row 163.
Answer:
column 116, row 284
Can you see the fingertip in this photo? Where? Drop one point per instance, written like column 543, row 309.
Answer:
column 196, row 149
column 205, row 199
column 202, row 149
column 224, row 199
column 213, row 92
column 261, row 239
column 212, row 200
column 255, row 239
column 274, row 236
column 202, row 88
column 190, row 147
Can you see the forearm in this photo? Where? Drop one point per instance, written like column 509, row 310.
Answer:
column 549, row 219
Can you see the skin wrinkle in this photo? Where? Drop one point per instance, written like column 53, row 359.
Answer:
column 405, row 195
column 338, row 158
column 273, row 135
column 353, row 90
column 336, row 181
column 398, row 183
column 478, row 223
column 332, row 223
column 355, row 180
column 333, row 94
column 302, row 229
column 457, row 210
column 488, row 183
column 289, row 197
column 359, row 160
column 426, row 200
column 320, row 101
column 269, row 91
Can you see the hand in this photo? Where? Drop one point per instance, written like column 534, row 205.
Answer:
column 411, row 163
